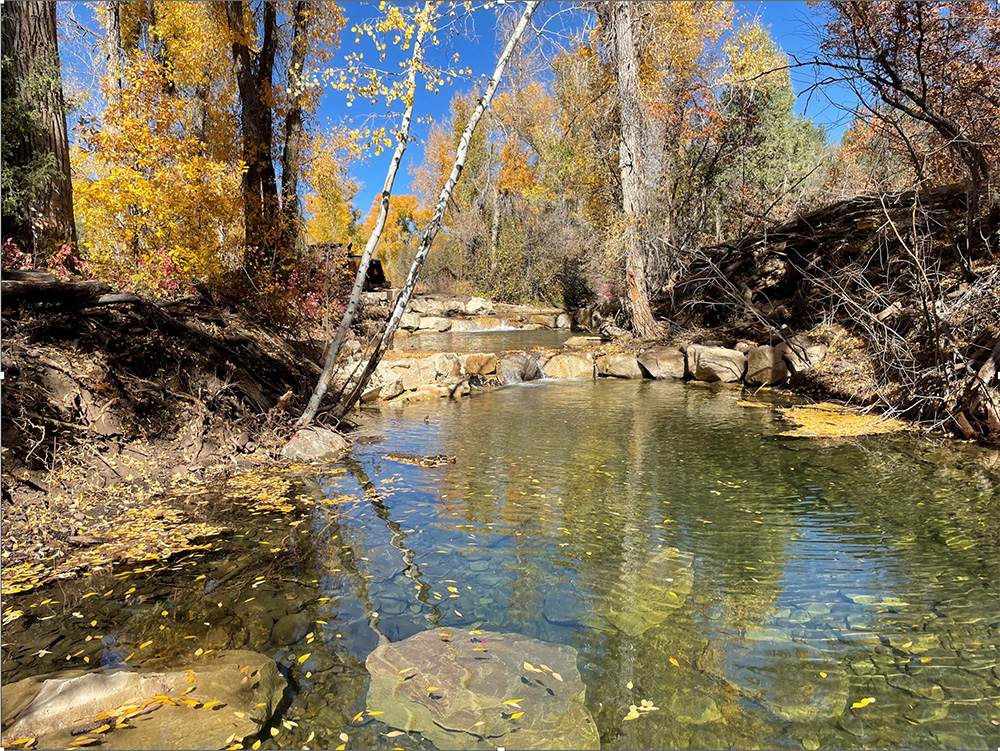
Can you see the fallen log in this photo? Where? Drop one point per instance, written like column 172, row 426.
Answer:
column 41, row 286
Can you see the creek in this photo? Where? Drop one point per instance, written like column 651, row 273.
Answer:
column 842, row 594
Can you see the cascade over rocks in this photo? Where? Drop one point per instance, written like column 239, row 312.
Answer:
column 471, row 676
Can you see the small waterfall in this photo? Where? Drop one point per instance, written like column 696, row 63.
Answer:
column 520, row 367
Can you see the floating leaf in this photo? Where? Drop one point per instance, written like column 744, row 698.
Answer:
column 822, row 674
column 531, row 668
column 341, row 747
column 145, row 644
column 274, row 732
column 432, row 688
column 304, row 657
column 557, row 677
column 516, row 715
column 358, row 716
column 863, row 703
column 513, row 702
column 629, row 685
column 370, row 712
column 256, row 745
column 394, row 734
column 209, row 704
column 674, row 662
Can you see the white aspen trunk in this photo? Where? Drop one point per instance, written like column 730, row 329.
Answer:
column 435, row 223
column 334, row 347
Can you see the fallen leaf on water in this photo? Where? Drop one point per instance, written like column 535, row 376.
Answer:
column 209, row 704
column 274, row 732
column 432, row 688
column 513, row 702
column 531, row 668
column 925, row 659
column 629, row 685
column 358, row 716
column 516, row 715
column 304, row 657
column 674, row 662
column 199, row 651
column 145, row 644
column 544, row 667
column 375, row 712
column 394, row 734
column 557, row 677
column 341, row 747
column 822, row 674
column 255, row 745
column 345, row 737
column 188, row 690
column 863, row 703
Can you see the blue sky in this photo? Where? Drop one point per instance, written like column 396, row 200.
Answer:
column 790, row 23
column 477, row 42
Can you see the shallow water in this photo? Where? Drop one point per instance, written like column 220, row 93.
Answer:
column 491, row 340
column 824, row 574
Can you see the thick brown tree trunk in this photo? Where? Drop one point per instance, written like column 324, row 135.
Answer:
column 30, row 45
column 635, row 188
column 259, row 187
column 290, row 158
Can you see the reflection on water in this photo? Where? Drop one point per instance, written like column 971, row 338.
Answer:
column 493, row 340
column 840, row 596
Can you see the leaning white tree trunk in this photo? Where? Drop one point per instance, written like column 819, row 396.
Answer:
column 435, row 223
column 424, row 22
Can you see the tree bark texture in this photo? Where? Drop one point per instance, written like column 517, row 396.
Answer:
column 30, row 42
column 635, row 186
column 333, row 349
column 430, row 232
column 290, row 158
column 112, row 50
column 259, row 187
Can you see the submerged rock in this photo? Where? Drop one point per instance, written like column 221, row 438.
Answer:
column 794, row 682
column 245, row 686
column 451, row 685
column 649, row 596
column 315, row 445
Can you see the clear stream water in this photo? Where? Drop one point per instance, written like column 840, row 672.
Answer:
column 875, row 561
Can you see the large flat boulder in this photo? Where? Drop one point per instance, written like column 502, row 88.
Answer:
column 434, row 323
column 765, row 366
column 478, row 306
column 450, row 685
column 314, row 444
column 801, row 353
column 663, row 363
column 544, row 320
column 647, row 597
column 245, row 689
column 569, row 365
column 715, row 363
column 481, row 364
column 619, row 366
column 409, row 321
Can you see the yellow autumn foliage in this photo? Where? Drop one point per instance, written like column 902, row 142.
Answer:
column 826, row 420
column 152, row 208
